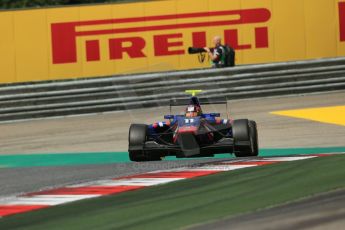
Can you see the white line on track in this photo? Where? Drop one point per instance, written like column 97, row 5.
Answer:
column 47, row 199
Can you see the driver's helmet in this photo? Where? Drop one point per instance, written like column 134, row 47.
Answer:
column 193, row 111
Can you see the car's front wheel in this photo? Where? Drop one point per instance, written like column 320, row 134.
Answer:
column 254, row 141
column 245, row 138
column 136, row 140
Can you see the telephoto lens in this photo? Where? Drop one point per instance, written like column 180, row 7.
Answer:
column 194, row 50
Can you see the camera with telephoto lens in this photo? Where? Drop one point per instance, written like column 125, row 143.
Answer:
column 195, row 50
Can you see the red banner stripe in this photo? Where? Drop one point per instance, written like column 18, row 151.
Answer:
column 247, row 13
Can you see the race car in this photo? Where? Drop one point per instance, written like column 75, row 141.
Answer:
column 193, row 134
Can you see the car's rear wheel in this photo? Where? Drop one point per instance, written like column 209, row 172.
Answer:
column 245, row 138
column 136, row 139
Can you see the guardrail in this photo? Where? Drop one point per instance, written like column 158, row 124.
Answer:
column 36, row 100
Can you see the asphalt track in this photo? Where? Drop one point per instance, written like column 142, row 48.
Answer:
column 108, row 132
column 24, row 180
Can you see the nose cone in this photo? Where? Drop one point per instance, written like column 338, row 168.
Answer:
column 188, row 144
column 188, row 125
column 188, row 129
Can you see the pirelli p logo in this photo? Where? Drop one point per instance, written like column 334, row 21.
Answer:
column 167, row 36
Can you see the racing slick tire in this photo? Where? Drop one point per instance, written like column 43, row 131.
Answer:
column 253, row 132
column 245, row 138
column 136, row 138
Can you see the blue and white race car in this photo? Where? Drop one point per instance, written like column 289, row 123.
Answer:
column 193, row 134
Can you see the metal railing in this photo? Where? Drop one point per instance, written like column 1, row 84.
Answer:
column 59, row 98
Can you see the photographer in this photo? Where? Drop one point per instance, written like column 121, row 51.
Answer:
column 220, row 56
column 217, row 55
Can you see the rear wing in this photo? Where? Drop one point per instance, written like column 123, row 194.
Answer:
column 202, row 101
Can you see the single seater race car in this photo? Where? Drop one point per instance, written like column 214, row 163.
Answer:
column 193, row 134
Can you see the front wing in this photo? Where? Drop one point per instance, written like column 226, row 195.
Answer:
column 225, row 145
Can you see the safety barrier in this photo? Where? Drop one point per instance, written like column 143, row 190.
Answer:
column 83, row 96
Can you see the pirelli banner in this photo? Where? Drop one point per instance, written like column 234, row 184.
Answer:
column 102, row 40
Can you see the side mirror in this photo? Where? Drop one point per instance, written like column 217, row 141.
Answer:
column 169, row 117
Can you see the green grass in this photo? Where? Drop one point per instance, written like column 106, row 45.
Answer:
column 192, row 201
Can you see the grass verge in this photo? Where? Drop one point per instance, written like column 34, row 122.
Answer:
column 192, row 201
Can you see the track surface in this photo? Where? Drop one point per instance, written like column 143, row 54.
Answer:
column 326, row 211
column 108, row 132
column 24, row 180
